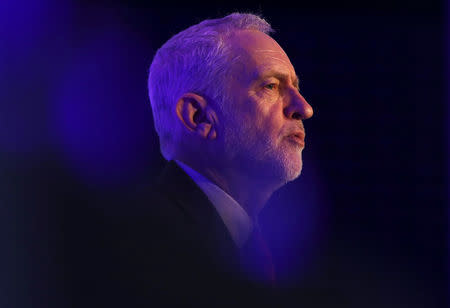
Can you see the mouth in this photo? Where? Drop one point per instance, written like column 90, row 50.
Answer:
column 297, row 138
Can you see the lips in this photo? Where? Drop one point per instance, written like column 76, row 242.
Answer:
column 298, row 138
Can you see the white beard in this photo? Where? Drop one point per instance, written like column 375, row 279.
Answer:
column 281, row 162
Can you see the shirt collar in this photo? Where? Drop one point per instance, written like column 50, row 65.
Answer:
column 233, row 215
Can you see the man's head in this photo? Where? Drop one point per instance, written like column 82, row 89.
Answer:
column 226, row 91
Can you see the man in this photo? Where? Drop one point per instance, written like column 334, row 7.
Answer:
column 228, row 112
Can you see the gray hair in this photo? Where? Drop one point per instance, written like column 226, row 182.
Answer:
column 194, row 60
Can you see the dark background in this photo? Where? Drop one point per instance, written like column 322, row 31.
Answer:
column 369, row 214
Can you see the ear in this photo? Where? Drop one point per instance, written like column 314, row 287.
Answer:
column 196, row 115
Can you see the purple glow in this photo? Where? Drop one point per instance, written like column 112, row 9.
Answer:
column 102, row 118
column 24, row 23
column 294, row 222
column 30, row 32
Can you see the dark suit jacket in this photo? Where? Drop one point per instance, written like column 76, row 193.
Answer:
column 165, row 246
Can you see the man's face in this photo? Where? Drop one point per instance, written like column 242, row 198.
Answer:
column 262, row 127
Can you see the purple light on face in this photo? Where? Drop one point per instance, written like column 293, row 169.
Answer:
column 102, row 118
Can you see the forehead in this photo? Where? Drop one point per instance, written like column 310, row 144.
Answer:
column 256, row 53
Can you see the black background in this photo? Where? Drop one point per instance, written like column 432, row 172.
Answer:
column 375, row 74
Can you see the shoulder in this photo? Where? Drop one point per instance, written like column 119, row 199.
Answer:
column 147, row 216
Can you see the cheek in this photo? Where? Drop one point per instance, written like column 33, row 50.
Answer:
column 274, row 119
column 259, row 118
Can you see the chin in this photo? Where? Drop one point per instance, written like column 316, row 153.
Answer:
column 293, row 171
column 289, row 166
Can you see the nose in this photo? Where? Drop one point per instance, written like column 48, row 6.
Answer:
column 297, row 108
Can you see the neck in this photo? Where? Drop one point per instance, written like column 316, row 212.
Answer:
column 251, row 191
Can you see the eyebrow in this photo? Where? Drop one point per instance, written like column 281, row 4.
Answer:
column 279, row 75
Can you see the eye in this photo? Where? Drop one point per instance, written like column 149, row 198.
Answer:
column 271, row 86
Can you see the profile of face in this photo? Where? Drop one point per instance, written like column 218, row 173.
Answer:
column 262, row 127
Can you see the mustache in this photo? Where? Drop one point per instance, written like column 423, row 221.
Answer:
column 297, row 129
